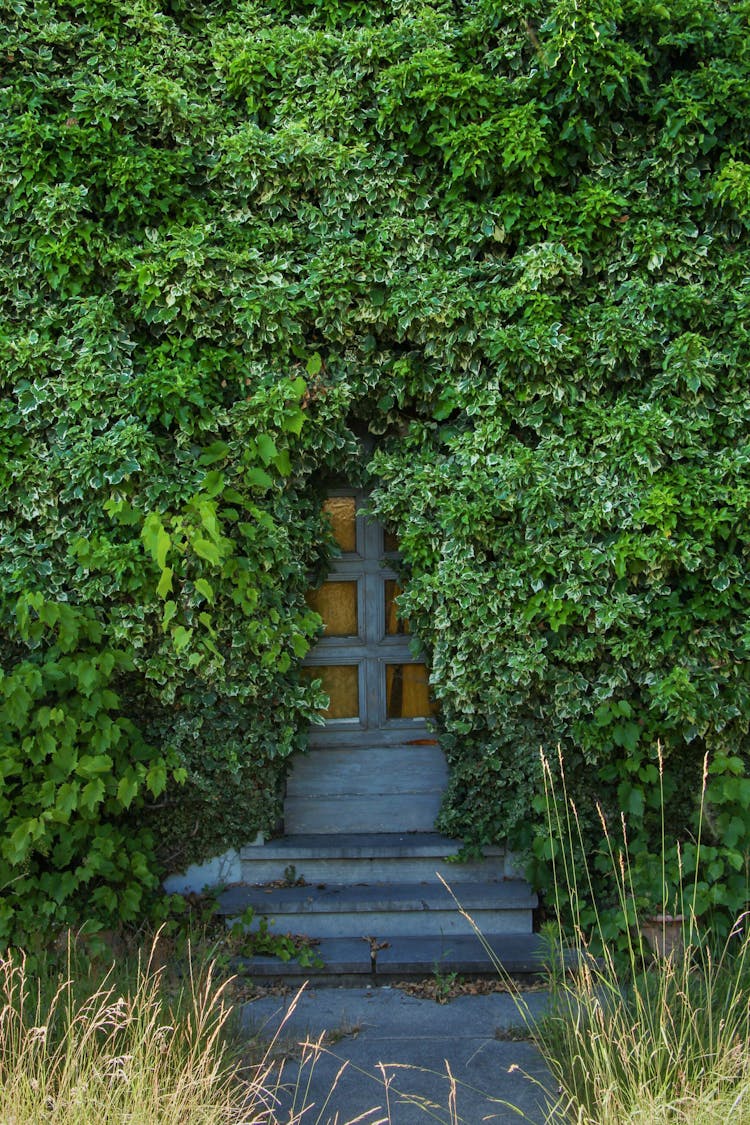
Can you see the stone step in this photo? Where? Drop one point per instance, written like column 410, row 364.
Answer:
column 400, row 957
column 384, row 910
column 368, row 858
column 375, row 772
column 406, row 812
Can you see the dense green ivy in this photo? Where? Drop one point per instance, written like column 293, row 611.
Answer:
column 508, row 239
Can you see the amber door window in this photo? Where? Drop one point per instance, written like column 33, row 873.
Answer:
column 341, row 512
column 341, row 683
column 395, row 624
column 336, row 602
column 407, row 688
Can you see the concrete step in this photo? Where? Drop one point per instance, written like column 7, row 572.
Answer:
column 406, row 812
column 400, row 957
column 368, row 858
column 379, row 788
column 373, row 772
column 385, row 910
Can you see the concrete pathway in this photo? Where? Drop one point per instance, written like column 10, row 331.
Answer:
column 399, row 1053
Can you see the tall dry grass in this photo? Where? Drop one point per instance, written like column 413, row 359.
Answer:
column 133, row 1044
column 651, row 1036
column 654, row 1035
column 127, row 1050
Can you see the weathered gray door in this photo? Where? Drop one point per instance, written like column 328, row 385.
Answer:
column 374, row 766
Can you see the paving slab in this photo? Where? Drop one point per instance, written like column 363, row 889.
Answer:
column 405, row 1060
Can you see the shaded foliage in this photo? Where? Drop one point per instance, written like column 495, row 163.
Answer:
column 510, row 239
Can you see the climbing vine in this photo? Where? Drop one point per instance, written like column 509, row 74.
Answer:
column 508, row 240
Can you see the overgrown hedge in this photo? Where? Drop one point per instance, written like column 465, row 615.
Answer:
column 508, row 239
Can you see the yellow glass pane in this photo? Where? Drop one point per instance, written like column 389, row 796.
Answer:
column 341, row 685
column 390, row 542
column 336, row 602
column 342, row 513
column 407, row 692
column 394, row 625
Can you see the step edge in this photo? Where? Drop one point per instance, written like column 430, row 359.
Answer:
column 323, row 850
column 515, row 953
column 345, row 898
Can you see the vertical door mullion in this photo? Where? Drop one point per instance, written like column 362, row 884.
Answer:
column 373, row 537
column 373, row 718
column 373, row 633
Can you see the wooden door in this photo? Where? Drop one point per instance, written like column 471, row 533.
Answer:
column 374, row 766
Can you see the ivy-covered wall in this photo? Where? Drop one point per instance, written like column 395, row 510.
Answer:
column 509, row 239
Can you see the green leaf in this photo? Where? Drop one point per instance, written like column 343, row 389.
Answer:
column 92, row 794
column 204, row 549
column 165, row 582
column 170, row 611
column 314, row 364
column 293, row 423
column 87, row 676
column 205, row 588
column 156, row 778
column 17, row 846
column 155, row 538
column 127, row 789
column 66, row 799
column 16, row 705
column 283, row 463
column 181, row 637
column 217, row 451
column 258, row 478
column 90, row 765
column 266, row 448
column 213, row 484
column 163, row 544
column 635, row 804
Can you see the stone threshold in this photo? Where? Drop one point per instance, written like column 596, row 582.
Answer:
column 380, row 960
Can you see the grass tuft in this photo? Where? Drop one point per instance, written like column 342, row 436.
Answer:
column 128, row 1049
column 659, row 1032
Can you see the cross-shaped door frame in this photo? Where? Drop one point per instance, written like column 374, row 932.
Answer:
column 373, row 649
